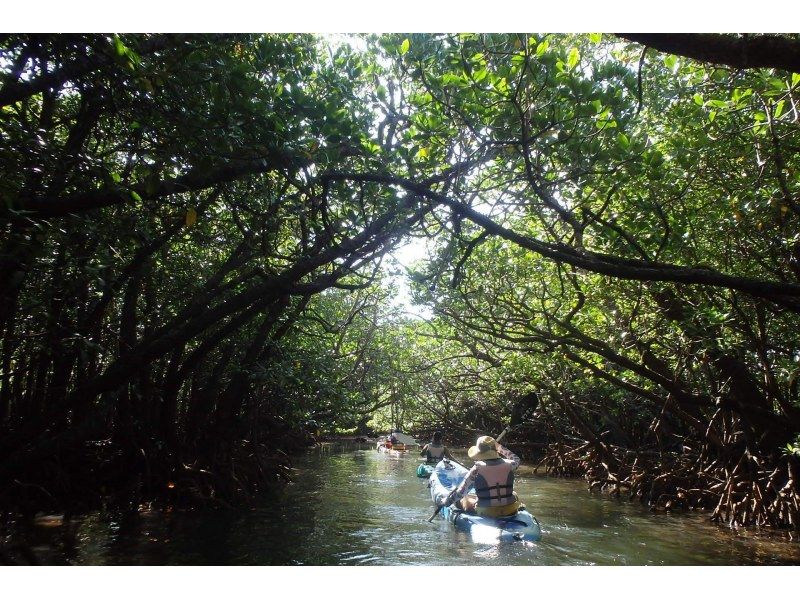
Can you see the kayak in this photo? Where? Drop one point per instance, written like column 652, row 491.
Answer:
column 424, row 470
column 392, row 451
column 487, row 530
column 405, row 439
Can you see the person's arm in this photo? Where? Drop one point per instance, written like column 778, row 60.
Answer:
column 447, row 453
column 507, row 454
column 424, row 450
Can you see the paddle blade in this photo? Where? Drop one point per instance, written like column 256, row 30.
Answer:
column 524, row 406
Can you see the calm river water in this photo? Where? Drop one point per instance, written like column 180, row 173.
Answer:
column 361, row 507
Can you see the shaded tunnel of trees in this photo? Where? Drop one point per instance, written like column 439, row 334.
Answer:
column 195, row 259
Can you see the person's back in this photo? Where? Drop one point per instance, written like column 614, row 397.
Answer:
column 435, row 451
column 493, row 479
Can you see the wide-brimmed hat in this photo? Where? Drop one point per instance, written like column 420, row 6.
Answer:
column 485, row 448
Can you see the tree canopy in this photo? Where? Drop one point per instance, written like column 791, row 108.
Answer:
column 195, row 233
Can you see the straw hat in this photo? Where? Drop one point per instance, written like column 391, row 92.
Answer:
column 485, row 448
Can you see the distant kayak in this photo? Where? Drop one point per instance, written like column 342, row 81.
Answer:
column 405, row 439
column 395, row 450
column 424, row 470
column 488, row 530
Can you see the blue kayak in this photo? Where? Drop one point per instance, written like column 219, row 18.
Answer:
column 424, row 470
column 486, row 530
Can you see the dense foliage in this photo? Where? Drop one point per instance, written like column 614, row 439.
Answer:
column 194, row 230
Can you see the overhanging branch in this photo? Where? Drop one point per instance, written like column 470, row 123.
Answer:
column 746, row 52
column 782, row 293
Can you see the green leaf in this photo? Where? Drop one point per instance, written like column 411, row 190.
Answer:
column 119, row 47
column 777, row 83
column 795, row 79
column 404, row 46
column 656, row 158
column 698, row 99
column 501, row 85
column 670, row 60
column 573, row 57
column 623, row 140
column 542, row 47
column 740, row 94
column 136, row 197
column 372, row 148
column 779, row 108
column 478, row 58
column 116, row 177
column 712, row 115
column 595, row 38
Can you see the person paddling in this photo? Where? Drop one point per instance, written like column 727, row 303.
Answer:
column 493, row 478
column 435, row 450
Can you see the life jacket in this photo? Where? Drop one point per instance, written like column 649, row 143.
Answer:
column 435, row 453
column 494, row 483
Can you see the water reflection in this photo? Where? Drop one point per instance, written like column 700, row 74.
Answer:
column 363, row 507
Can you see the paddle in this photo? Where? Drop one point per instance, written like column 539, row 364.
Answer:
column 526, row 404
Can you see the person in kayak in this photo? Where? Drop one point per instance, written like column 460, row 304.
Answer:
column 493, row 478
column 394, row 442
column 435, row 450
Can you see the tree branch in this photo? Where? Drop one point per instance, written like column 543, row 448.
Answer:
column 782, row 293
column 760, row 51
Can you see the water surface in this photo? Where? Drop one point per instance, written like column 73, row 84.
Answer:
column 361, row 507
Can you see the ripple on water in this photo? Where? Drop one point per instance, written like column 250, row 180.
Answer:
column 357, row 558
column 363, row 508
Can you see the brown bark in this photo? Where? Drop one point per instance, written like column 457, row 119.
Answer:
column 46, row 206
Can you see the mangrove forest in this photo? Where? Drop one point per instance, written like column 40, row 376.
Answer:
column 199, row 272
